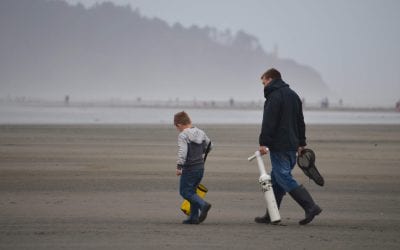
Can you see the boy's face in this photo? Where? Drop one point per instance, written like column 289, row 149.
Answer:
column 179, row 127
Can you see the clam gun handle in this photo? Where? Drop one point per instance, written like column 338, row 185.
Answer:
column 252, row 157
column 257, row 153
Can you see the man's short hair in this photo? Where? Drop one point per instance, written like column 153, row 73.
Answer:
column 272, row 73
column 182, row 118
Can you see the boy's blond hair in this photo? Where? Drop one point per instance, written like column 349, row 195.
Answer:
column 182, row 118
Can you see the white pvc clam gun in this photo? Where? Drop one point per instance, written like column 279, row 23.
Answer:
column 266, row 187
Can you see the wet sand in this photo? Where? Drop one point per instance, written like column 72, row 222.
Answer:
column 103, row 187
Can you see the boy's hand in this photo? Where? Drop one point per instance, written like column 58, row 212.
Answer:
column 178, row 172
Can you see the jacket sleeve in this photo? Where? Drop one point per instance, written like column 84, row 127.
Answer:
column 302, row 127
column 270, row 121
column 182, row 151
column 207, row 141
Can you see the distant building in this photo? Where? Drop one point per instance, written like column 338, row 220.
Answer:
column 275, row 51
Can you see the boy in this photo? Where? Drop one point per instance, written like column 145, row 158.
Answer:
column 192, row 144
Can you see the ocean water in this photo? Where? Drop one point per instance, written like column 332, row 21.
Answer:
column 24, row 114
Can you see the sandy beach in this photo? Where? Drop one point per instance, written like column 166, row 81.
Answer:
column 114, row 187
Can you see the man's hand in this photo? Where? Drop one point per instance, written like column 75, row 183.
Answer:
column 178, row 172
column 263, row 150
column 299, row 149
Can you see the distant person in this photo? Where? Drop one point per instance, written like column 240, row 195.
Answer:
column 66, row 100
column 192, row 144
column 341, row 102
column 283, row 133
column 325, row 103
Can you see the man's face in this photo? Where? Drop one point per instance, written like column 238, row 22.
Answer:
column 266, row 81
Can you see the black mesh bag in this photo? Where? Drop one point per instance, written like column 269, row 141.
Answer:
column 306, row 161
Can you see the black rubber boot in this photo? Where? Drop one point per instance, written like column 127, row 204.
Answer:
column 204, row 212
column 265, row 218
column 304, row 199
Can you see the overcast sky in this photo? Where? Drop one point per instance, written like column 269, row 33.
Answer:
column 354, row 44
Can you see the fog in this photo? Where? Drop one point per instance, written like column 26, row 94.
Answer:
column 343, row 50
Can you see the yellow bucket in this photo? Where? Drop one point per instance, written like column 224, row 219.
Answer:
column 201, row 191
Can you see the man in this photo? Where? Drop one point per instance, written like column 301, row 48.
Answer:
column 283, row 133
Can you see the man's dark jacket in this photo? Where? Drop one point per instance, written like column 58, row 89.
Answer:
column 283, row 127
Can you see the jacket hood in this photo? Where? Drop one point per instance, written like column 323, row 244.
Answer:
column 274, row 85
column 194, row 135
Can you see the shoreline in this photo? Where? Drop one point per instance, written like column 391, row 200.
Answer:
column 203, row 105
